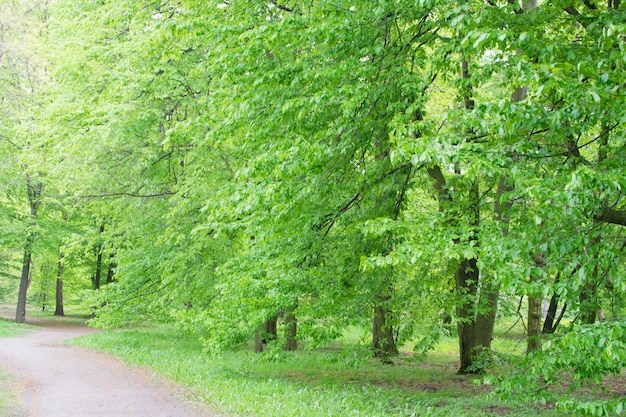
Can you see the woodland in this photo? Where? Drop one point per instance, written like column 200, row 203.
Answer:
column 281, row 171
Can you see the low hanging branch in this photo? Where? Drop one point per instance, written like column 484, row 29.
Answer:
column 612, row 216
column 129, row 194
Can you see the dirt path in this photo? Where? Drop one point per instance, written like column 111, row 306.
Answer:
column 55, row 380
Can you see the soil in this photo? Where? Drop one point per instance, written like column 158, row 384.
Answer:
column 55, row 380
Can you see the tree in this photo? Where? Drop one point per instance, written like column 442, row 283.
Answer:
column 34, row 200
column 21, row 72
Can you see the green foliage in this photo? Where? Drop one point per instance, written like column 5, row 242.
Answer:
column 576, row 361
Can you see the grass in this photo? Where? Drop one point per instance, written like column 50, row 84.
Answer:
column 72, row 316
column 11, row 329
column 331, row 382
column 8, row 403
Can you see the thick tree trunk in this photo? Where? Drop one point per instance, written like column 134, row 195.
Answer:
column 490, row 291
column 466, row 276
column 20, row 312
column 59, row 310
column 485, row 321
column 291, row 330
column 466, row 279
column 34, row 196
column 533, row 341
column 589, row 306
column 383, row 340
column 589, row 303
column 266, row 333
column 98, row 273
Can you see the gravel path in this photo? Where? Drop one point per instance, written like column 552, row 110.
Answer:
column 55, row 380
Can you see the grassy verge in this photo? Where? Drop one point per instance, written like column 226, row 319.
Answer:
column 8, row 403
column 10, row 329
column 308, row 383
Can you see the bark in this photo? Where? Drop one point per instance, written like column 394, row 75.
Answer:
column 34, row 200
column 291, row 330
column 486, row 319
column 533, row 340
column 58, row 311
column 265, row 334
column 589, row 306
column 383, row 340
column 612, row 216
column 551, row 321
column 466, row 278
column 98, row 273
column 111, row 270
column 20, row 312
column 258, row 342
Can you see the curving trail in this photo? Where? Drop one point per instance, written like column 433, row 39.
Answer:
column 55, row 380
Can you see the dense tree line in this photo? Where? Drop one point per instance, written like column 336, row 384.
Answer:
column 249, row 166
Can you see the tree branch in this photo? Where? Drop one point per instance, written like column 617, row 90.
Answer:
column 128, row 194
column 10, row 141
column 612, row 216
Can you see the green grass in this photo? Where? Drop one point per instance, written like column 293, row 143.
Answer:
column 331, row 382
column 11, row 329
column 72, row 315
column 8, row 402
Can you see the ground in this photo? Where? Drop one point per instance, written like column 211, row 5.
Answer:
column 55, row 380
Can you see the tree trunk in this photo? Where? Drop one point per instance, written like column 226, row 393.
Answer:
column 551, row 321
column 34, row 199
column 59, row 311
column 533, row 341
column 20, row 312
column 466, row 279
column 588, row 304
column 291, row 330
column 383, row 340
column 266, row 333
column 111, row 270
column 98, row 273
column 486, row 319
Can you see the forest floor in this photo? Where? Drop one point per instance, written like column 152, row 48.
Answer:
column 55, row 380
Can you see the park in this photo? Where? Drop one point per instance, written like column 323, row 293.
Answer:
column 307, row 208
